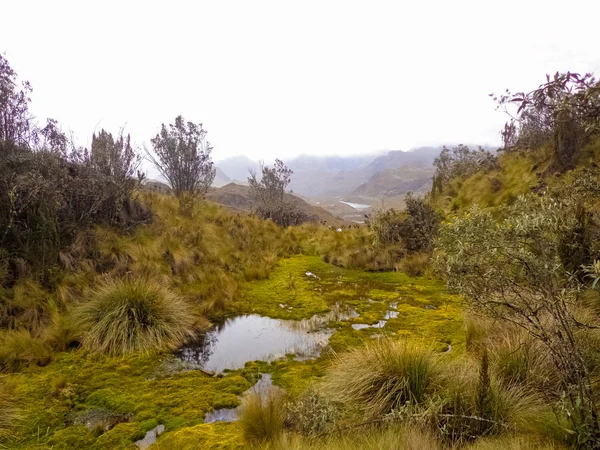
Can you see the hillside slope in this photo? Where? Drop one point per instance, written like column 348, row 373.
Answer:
column 237, row 197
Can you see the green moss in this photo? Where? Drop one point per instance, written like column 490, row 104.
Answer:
column 214, row 436
column 288, row 285
column 122, row 436
column 141, row 388
column 72, row 437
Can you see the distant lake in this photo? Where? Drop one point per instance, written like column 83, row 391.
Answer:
column 356, row 205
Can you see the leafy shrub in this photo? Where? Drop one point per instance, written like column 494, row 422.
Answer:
column 262, row 416
column 135, row 315
column 383, row 376
column 312, row 413
column 386, row 225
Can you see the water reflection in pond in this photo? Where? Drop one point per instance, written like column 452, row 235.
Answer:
column 360, row 326
column 253, row 337
column 262, row 388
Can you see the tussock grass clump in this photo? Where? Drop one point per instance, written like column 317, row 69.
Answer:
column 19, row 349
column 387, row 438
column 262, row 416
column 474, row 402
column 515, row 443
column 383, row 376
column 415, row 264
column 135, row 315
column 9, row 410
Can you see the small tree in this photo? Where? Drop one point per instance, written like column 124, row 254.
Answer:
column 15, row 119
column 182, row 156
column 269, row 197
column 419, row 230
column 461, row 161
column 564, row 111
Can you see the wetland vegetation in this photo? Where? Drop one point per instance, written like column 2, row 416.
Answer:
column 134, row 319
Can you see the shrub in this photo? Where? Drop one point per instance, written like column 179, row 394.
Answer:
column 383, row 376
column 311, row 414
column 262, row 416
column 135, row 315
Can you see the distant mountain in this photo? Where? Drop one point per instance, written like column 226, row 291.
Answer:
column 327, row 177
column 422, row 156
column 398, row 181
column 237, row 168
column 237, row 197
column 329, row 163
column 221, row 179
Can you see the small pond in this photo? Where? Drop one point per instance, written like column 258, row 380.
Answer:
column 241, row 339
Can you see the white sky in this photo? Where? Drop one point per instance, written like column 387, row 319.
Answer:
column 280, row 78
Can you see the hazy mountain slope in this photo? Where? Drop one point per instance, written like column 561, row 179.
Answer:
column 328, row 177
column 422, row 156
column 237, row 168
column 398, row 181
column 221, row 179
column 237, row 197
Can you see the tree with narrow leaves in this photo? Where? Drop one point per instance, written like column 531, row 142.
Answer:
column 181, row 154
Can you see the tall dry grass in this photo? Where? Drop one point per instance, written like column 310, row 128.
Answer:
column 262, row 417
column 135, row 315
column 384, row 375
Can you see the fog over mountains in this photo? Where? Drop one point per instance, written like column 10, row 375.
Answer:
column 357, row 178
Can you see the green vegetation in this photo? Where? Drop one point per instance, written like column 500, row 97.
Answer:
column 383, row 376
column 262, row 416
column 135, row 315
column 101, row 284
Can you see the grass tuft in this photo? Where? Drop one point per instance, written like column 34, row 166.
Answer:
column 9, row 411
column 414, row 265
column 262, row 416
column 135, row 315
column 383, row 376
column 19, row 349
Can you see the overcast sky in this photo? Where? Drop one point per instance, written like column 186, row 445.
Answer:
column 280, row 78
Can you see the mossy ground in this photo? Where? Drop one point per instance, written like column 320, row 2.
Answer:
column 147, row 390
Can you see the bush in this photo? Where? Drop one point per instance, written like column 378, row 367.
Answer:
column 311, row 414
column 135, row 315
column 262, row 417
column 383, row 376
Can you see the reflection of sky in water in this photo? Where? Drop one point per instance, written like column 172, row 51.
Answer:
column 360, row 326
column 251, row 338
column 262, row 388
